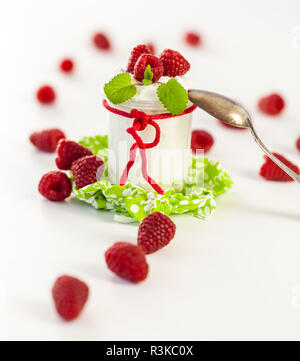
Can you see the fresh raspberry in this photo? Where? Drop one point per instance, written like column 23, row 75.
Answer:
column 47, row 140
column 230, row 126
column 69, row 151
column 155, row 232
column 271, row 171
column 127, row 261
column 151, row 47
column 201, row 140
column 272, row 104
column 298, row 144
column 101, row 41
column 45, row 94
column 69, row 295
column 135, row 54
column 55, row 186
column 141, row 64
column 174, row 63
column 193, row 39
column 87, row 170
column 66, row 65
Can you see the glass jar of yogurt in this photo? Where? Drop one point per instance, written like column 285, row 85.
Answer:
column 167, row 162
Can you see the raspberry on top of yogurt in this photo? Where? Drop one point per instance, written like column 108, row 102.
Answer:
column 157, row 81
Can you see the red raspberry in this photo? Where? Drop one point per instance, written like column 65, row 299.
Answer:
column 69, row 295
column 271, row 171
column 69, row 151
column 127, row 261
column 272, row 104
column 141, row 64
column 155, row 232
column 135, row 54
column 201, row 140
column 298, row 144
column 66, row 65
column 174, row 63
column 45, row 94
column 193, row 39
column 87, row 170
column 151, row 47
column 47, row 140
column 230, row 126
column 101, row 41
column 55, row 186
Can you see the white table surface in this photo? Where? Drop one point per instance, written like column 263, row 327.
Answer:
column 236, row 276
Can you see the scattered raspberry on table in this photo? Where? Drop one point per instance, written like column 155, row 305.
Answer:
column 70, row 296
column 271, row 171
column 68, row 151
column 298, row 144
column 101, row 41
column 46, row 94
column 47, row 140
column 87, row 170
column 66, row 65
column 135, row 54
column 155, row 232
column 141, row 64
column 201, row 140
column 55, row 186
column 127, row 261
column 174, row 63
column 272, row 104
column 193, row 38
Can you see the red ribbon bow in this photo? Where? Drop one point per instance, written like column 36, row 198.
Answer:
column 141, row 120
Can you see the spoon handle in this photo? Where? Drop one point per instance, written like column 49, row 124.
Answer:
column 287, row 170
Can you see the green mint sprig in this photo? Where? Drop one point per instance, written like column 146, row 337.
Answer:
column 120, row 89
column 173, row 96
column 148, row 75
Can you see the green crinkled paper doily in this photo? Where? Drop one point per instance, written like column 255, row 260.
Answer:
column 131, row 202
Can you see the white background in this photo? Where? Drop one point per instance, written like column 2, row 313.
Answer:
column 236, row 276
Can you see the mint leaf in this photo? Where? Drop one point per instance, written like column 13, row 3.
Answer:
column 148, row 75
column 120, row 89
column 147, row 82
column 173, row 96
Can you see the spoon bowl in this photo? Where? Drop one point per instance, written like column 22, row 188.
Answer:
column 234, row 114
column 220, row 107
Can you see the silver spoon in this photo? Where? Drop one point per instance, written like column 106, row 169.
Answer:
column 233, row 113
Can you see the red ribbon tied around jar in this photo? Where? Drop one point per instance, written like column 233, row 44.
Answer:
column 140, row 122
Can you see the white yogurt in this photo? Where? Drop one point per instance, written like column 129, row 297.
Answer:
column 167, row 162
